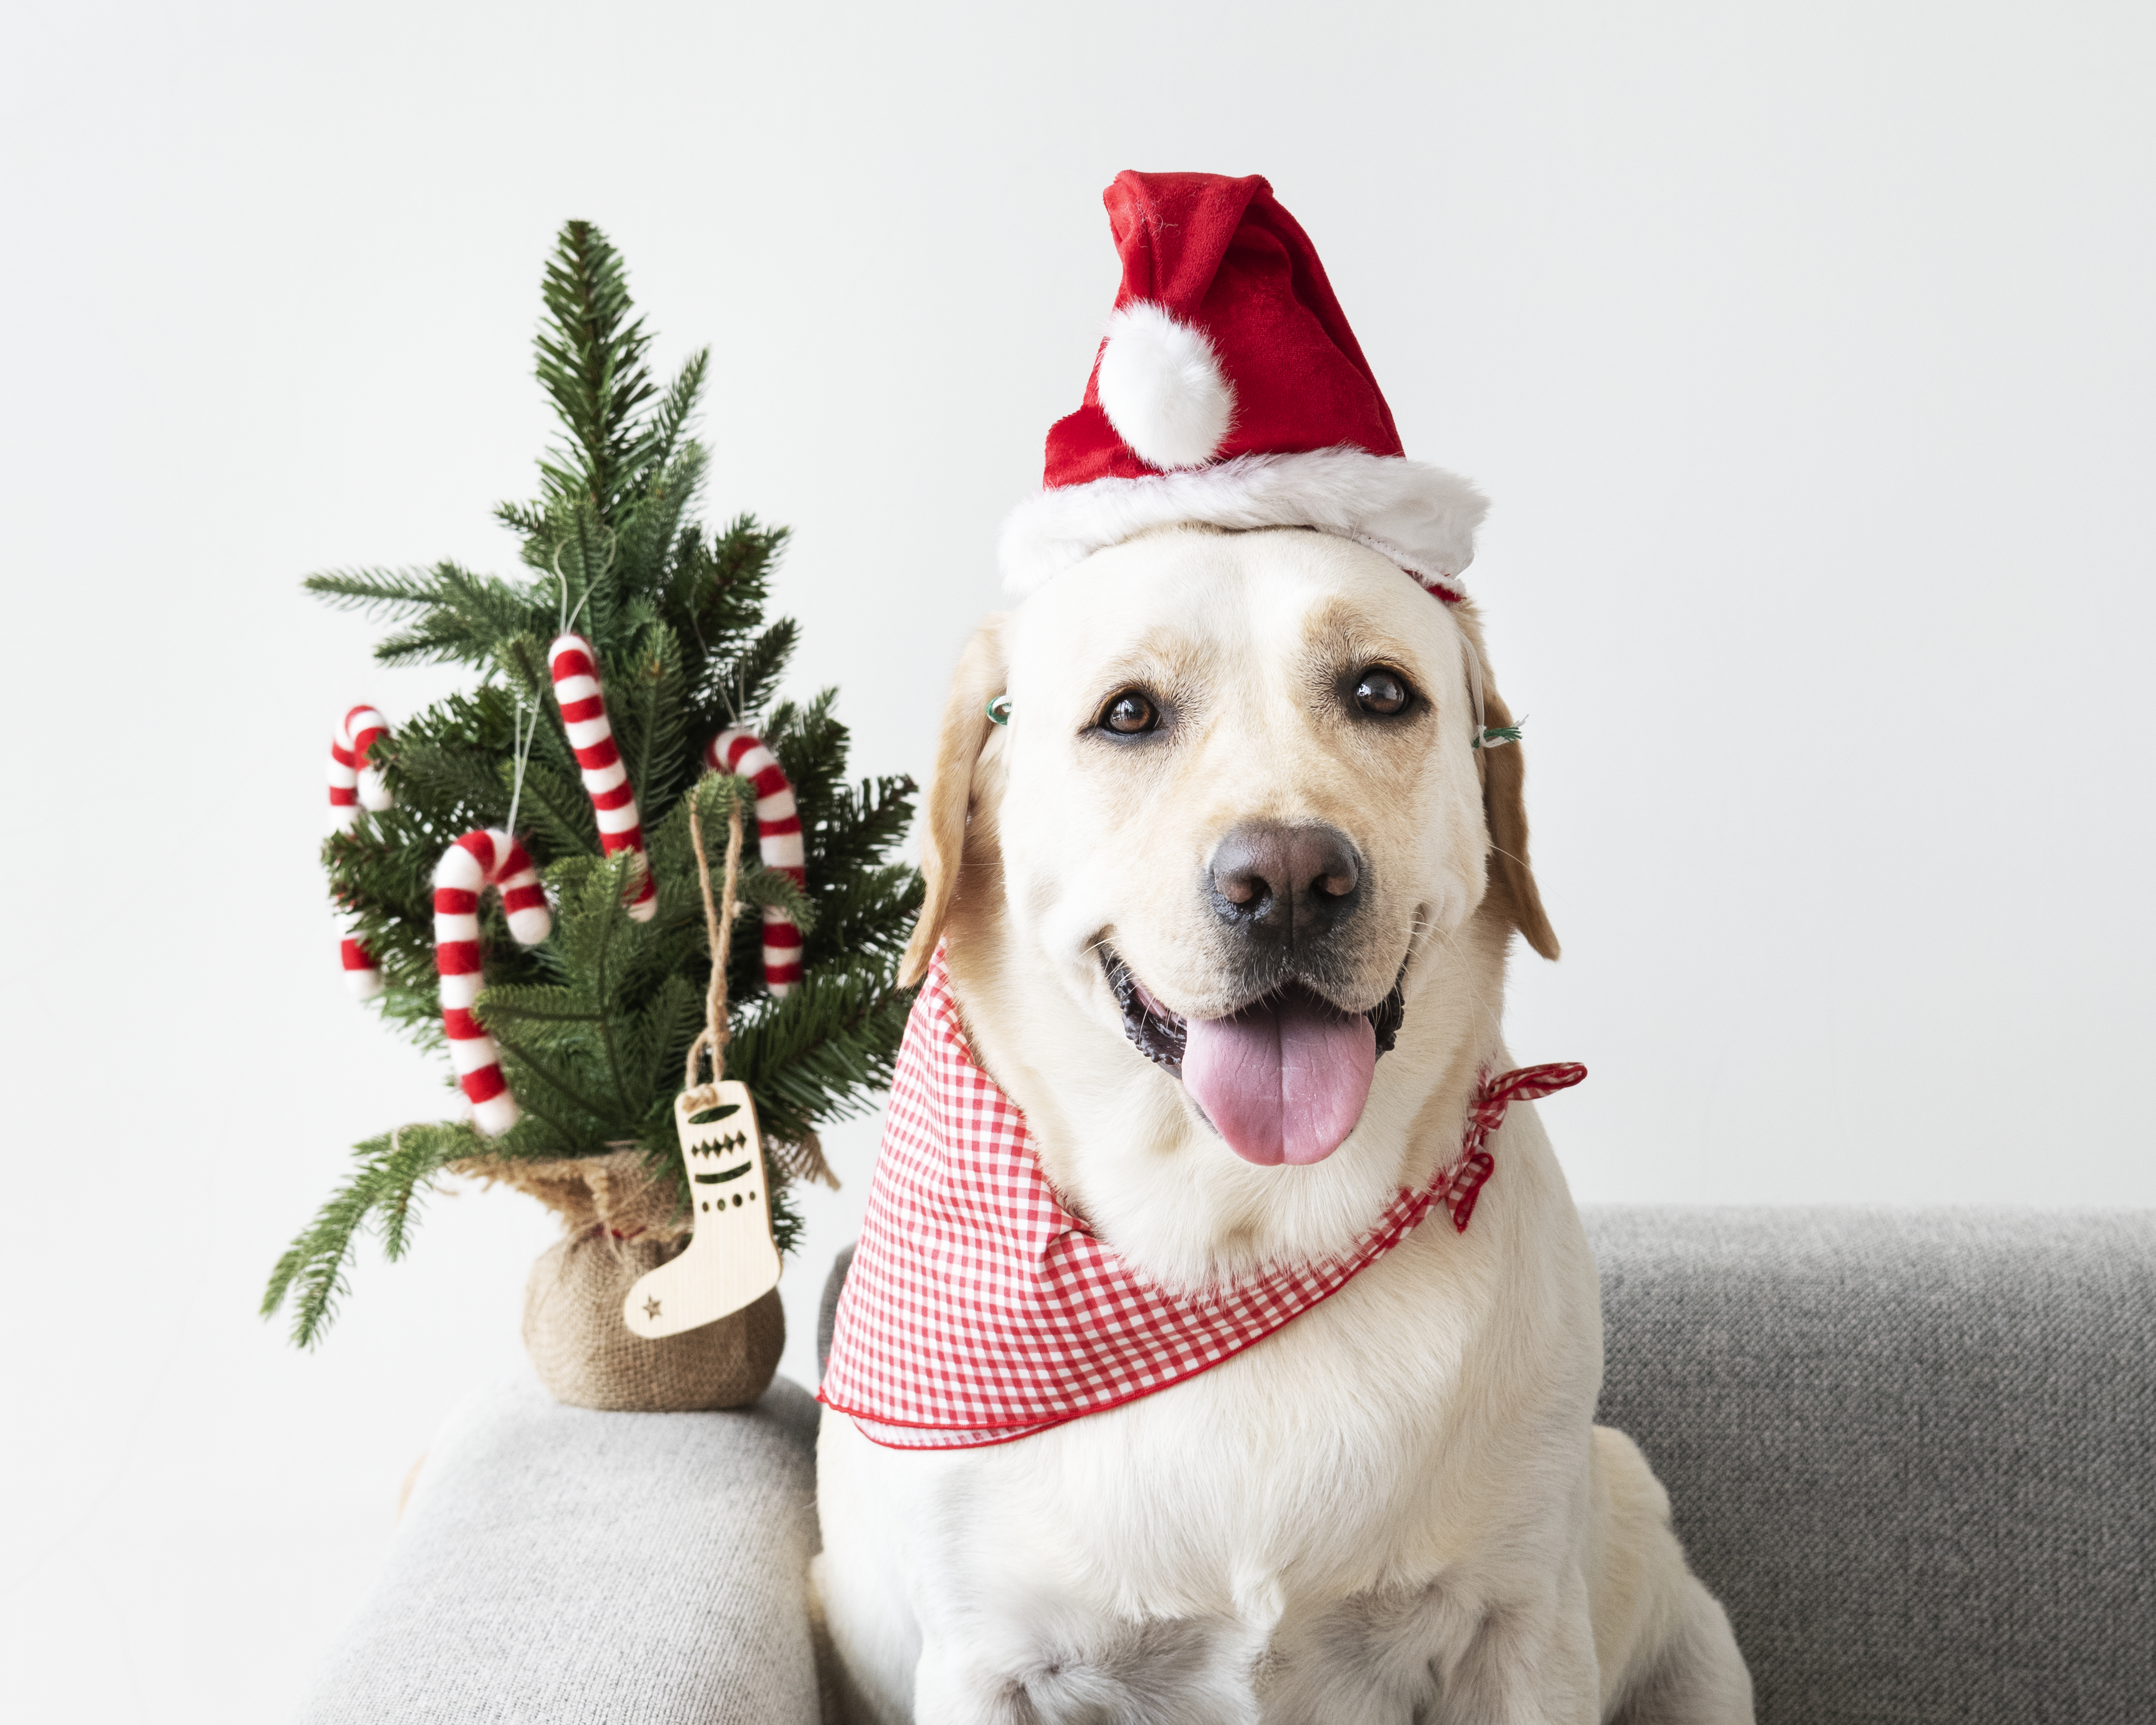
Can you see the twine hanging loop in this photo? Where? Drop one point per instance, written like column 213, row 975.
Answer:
column 718, row 924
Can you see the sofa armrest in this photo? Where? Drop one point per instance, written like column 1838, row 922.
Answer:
column 558, row 1564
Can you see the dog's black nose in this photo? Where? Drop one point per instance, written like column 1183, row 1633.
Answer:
column 1286, row 884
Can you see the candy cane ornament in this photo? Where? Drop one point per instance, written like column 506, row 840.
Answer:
column 475, row 862
column 356, row 784
column 777, row 843
column 574, row 667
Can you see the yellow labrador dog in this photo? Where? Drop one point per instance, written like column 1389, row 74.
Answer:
column 1236, row 805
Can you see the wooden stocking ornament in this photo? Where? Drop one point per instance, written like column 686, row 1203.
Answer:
column 732, row 1259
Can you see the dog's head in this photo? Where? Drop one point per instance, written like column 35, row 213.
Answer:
column 1236, row 811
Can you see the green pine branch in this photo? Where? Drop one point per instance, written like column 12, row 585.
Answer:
column 591, row 362
column 380, row 592
column 386, row 1189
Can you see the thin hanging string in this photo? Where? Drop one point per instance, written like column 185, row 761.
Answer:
column 719, row 925
column 567, row 619
column 525, row 739
column 562, row 611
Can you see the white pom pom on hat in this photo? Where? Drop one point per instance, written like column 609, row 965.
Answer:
column 1160, row 385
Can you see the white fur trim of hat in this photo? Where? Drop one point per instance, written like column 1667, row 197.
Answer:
column 1420, row 517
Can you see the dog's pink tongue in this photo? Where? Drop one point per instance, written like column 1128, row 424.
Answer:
column 1283, row 1082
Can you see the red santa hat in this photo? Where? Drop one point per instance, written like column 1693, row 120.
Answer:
column 1229, row 389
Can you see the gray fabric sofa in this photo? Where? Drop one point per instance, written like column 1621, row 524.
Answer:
column 1913, row 1452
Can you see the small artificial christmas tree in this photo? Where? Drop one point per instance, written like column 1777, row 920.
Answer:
column 593, row 1023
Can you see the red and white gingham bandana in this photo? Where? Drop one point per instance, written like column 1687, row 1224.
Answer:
column 978, row 1310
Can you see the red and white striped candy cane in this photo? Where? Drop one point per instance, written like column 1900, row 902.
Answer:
column 576, row 672
column 777, row 842
column 475, row 862
column 355, row 784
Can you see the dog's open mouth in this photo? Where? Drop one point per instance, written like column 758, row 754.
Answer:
column 1284, row 1080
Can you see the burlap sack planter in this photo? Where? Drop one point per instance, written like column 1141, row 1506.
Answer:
column 622, row 1223
column 586, row 1355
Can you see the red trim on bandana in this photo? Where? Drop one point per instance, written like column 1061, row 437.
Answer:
column 979, row 1310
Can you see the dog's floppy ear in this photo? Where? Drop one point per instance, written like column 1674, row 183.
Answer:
column 1505, row 807
column 967, row 727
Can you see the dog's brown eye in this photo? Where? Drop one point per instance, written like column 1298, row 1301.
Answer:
column 1380, row 692
column 1130, row 714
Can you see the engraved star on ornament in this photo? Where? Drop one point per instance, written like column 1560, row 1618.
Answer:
column 651, row 1308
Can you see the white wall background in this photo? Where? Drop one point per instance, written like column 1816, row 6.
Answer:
column 1805, row 349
